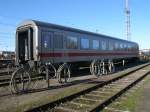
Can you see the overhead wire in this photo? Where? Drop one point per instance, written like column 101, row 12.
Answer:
column 7, row 33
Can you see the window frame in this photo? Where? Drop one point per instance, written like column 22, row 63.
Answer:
column 104, row 42
column 49, row 42
column 62, row 40
column 110, row 45
column 85, row 39
column 77, row 40
column 95, row 48
column 117, row 45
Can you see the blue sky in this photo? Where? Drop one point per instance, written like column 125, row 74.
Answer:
column 105, row 16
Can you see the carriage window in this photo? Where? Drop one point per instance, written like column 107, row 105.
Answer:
column 72, row 42
column 111, row 46
column 129, row 47
column 125, row 46
column 137, row 47
column 85, row 43
column 121, row 46
column 58, row 41
column 104, row 45
column 116, row 46
column 133, row 48
column 95, row 44
column 46, row 40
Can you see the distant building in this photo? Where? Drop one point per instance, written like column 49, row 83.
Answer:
column 7, row 55
column 145, row 54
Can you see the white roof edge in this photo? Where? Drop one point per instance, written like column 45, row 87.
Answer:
column 25, row 22
column 39, row 23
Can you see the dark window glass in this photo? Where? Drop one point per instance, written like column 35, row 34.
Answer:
column 129, row 47
column 111, row 47
column 121, row 46
column 116, row 46
column 72, row 42
column 95, row 44
column 104, row 45
column 58, row 41
column 125, row 46
column 85, row 43
column 46, row 40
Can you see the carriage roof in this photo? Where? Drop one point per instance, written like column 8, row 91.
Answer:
column 55, row 26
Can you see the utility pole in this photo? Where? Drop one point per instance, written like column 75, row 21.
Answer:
column 127, row 13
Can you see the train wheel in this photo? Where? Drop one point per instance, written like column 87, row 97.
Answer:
column 103, row 68
column 63, row 73
column 95, row 68
column 20, row 81
column 42, row 69
column 52, row 70
column 111, row 67
column 32, row 71
column 92, row 66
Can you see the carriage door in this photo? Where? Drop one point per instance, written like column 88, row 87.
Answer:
column 47, row 45
column 24, row 45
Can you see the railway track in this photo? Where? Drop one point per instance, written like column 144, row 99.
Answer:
column 5, row 76
column 97, row 97
column 5, row 72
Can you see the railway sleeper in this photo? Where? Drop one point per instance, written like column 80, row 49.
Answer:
column 76, row 106
column 96, row 93
column 106, row 90
column 103, row 95
column 86, row 105
column 62, row 109
column 119, row 86
column 88, row 99
column 116, row 84
column 111, row 88
column 110, row 109
column 122, row 82
column 94, row 97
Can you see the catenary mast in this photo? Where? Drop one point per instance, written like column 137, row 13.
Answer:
column 127, row 13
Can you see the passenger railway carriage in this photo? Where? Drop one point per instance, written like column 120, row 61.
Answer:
column 41, row 44
column 39, row 41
